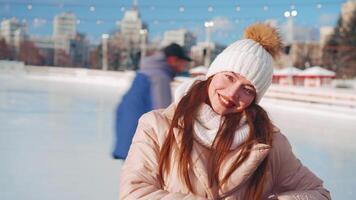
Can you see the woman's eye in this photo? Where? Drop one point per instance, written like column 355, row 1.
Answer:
column 229, row 77
column 249, row 91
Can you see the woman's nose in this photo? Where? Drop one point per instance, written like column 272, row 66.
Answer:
column 233, row 90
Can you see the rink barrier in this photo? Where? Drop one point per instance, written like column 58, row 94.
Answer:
column 329, row 96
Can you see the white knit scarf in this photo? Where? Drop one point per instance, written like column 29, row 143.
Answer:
column 207, row 125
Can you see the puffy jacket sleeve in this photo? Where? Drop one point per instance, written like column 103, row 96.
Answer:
column 139, row 175
column 292, row 179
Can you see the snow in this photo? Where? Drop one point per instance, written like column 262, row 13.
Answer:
column 56, row 134
column 316, row 71
column 289, row 71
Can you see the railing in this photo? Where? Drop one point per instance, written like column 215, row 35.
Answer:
column 328, row 96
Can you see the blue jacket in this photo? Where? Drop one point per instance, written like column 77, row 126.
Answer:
column 149, row 90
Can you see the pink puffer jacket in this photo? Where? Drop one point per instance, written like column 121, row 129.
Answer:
column 287, row 178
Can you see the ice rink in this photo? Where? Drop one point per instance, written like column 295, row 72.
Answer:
column 56, row 137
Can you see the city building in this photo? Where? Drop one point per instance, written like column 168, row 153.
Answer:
column 79, row 51
column 182, row 37
column 45, row 46
column 285, row 76
column 13, row 31
column 132, row 28
column 135, row 34
column 64, row 25
column 64, row 30
column 315, row 77
column 311, row 77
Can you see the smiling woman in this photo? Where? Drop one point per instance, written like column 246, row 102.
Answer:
column 215, row 141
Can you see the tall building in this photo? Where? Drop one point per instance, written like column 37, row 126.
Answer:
column 64, row 25
column 181, row 37
column 130, row 27
column 13, row 31
column 135, row 34
column 64, row 31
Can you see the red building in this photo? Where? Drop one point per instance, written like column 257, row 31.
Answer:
column 311, row 77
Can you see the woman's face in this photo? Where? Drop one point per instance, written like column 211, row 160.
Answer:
column 230, row 93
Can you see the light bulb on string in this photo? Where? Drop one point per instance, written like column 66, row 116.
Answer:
column 78, row 21
column 29, row 7
column 92, row 8
column 287, row 14
column 318, row 6
column 122, row 9
column 210, row 8
column 238, row 8
column 265, row 8
column 181, row 9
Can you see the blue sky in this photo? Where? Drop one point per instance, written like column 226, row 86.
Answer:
column 231, row 16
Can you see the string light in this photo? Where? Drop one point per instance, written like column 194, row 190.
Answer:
column 238, row 8
column 78, row 21
column 287, row 14
column 122, row 9
column 29, row 7
column 98, row 22
column 210, row 8
column 277, row 4
column 92, row 8
column 318, row 6
column 181, row 9
column 265, row 8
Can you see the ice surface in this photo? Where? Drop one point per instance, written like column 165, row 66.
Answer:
column 56, row 137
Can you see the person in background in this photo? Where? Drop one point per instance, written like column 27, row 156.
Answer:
column 215, row 141
column 150, row 90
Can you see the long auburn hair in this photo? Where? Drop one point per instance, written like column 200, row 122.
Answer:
column 261, row 130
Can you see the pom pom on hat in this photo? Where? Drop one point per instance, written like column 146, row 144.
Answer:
column 251, row 57
column 266, row 36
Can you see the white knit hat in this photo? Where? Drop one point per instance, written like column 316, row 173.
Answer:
column 251, row 57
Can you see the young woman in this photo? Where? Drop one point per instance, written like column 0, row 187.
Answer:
column 215, row 141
